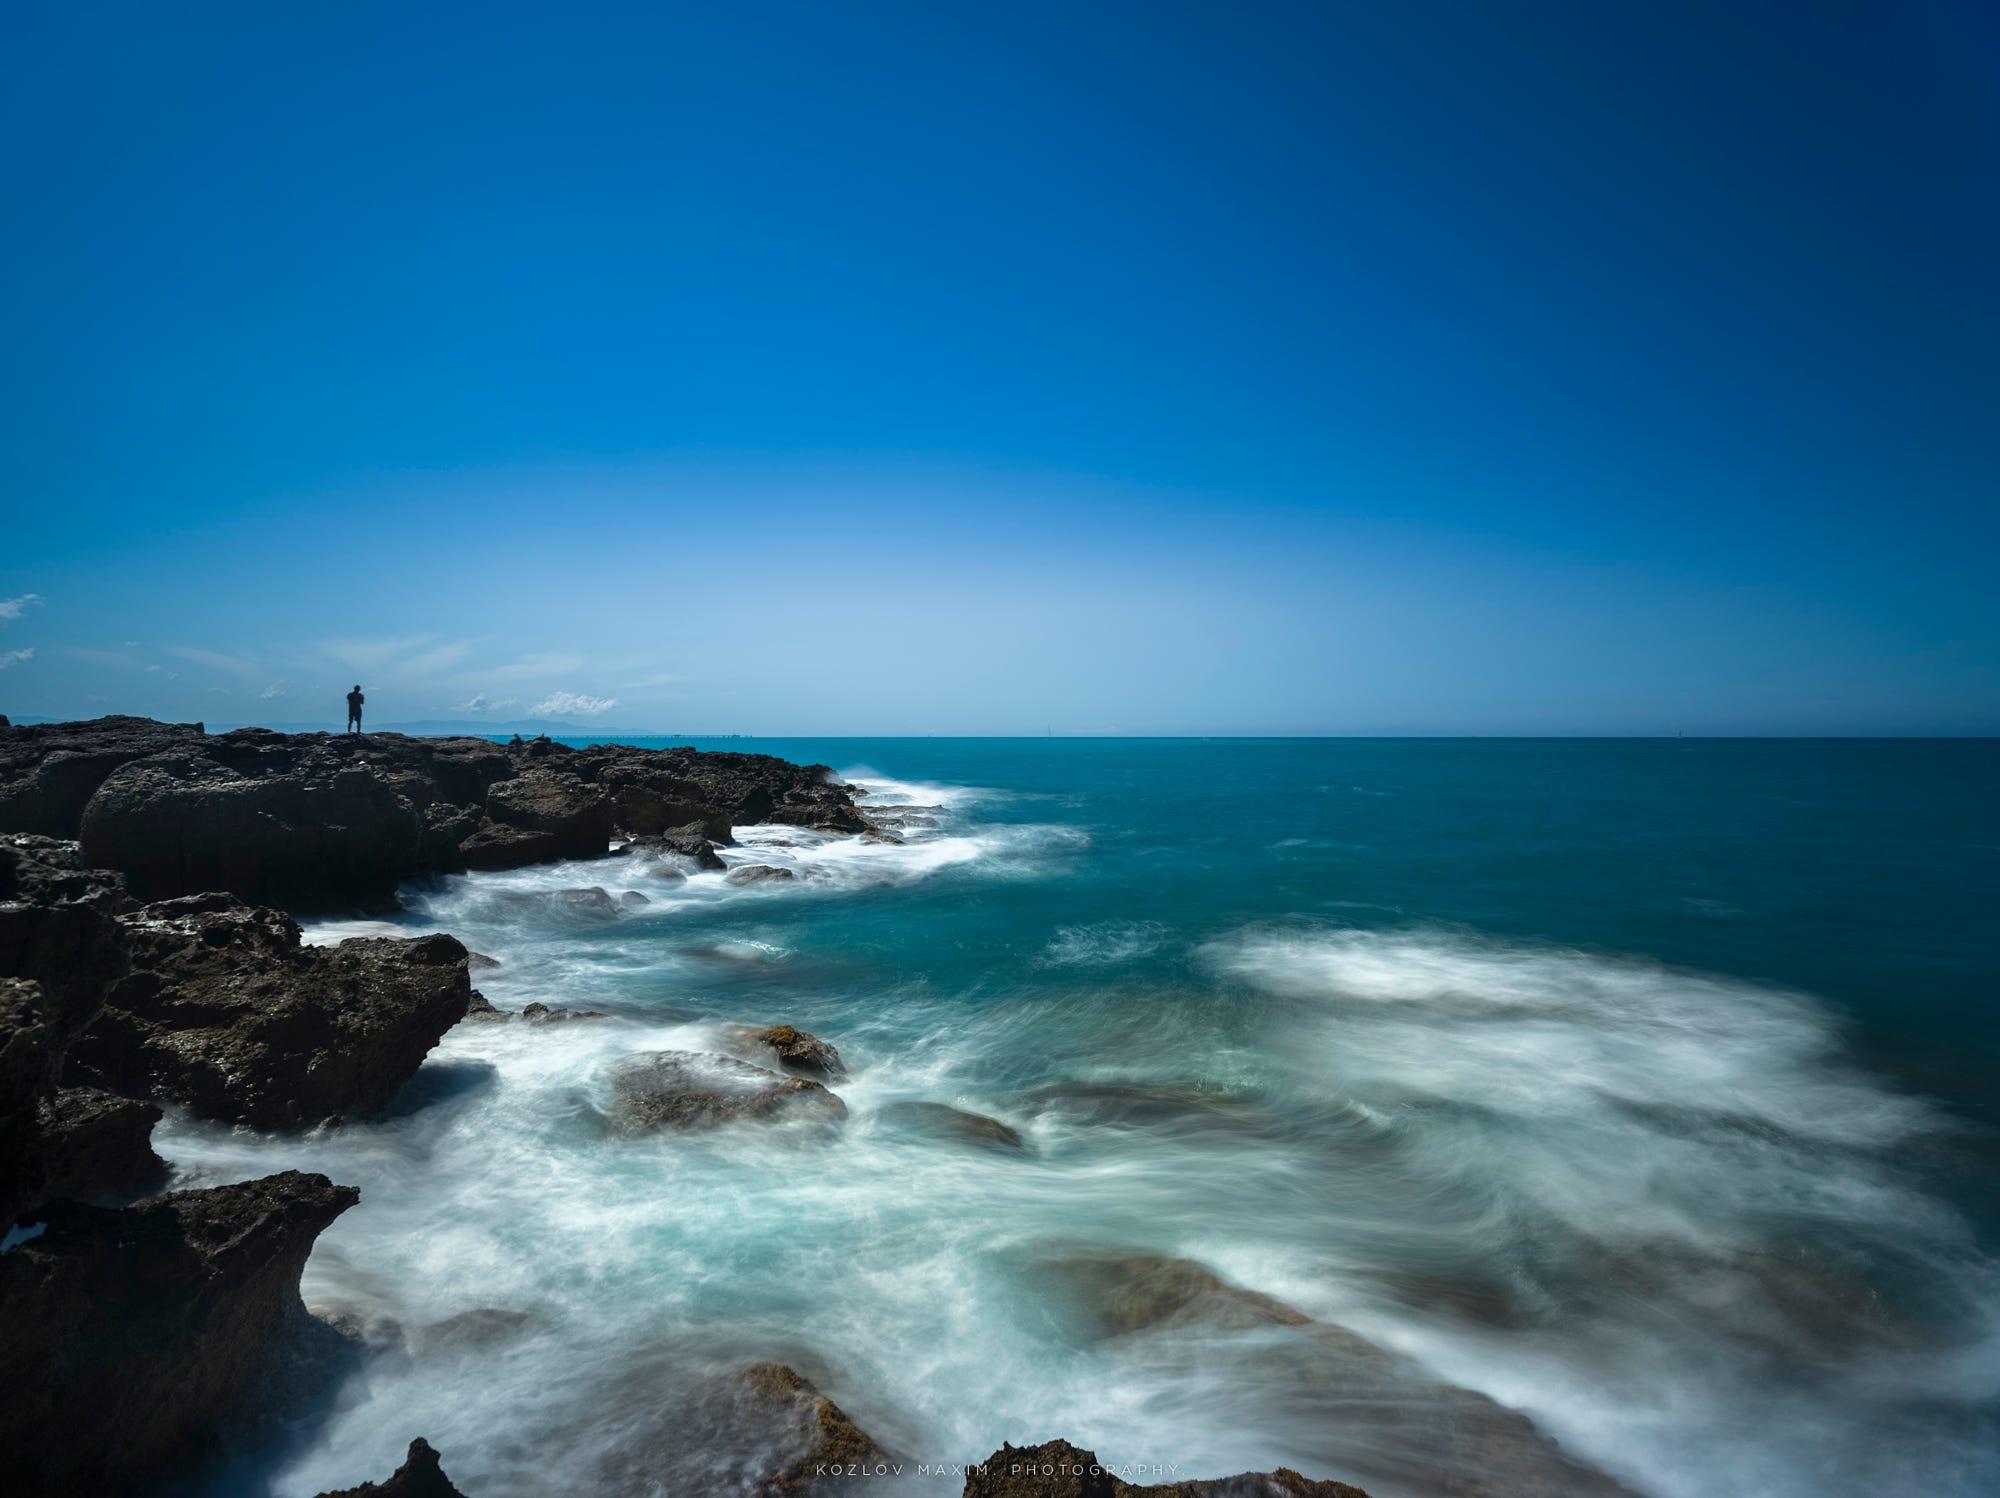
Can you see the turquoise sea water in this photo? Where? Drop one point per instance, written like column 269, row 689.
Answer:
column 1645, row 1086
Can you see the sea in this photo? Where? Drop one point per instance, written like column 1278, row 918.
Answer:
column 1644, row 1087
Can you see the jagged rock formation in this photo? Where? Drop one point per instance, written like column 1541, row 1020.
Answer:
column 420, row 1476
column 1056, row 1469
column 691, row 1090
column 140, row 1338
column 227, row 1011
column 331, row 820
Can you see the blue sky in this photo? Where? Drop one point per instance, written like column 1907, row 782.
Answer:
column 910, row 369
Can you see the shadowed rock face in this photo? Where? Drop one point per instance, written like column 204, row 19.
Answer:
column 1056, row 1469
column 227, row 1011
column 157, row 1331
column 420, row 1476
column 333, row 820
column 694, row 1090
column 59, row 929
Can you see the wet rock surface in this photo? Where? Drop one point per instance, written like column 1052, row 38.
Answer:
column 420, row 1476
column 696, row 1090
column 159, row 1331
column 333, row 820
column 760, row 873
column 227, row 1011
column 1173, row 1314
column 799, row 1053
column 1056, row 1469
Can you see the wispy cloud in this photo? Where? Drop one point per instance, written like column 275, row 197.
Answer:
column 659, row 679
column 215, row 660
column 564, row 704
column 274, row 690
column 407, row 655
column 481, row 703
column 13, row 608
column 117, row 659
column 15, row 657
column 537, row 666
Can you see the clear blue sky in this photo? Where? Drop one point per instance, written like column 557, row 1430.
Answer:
column 1488, row 368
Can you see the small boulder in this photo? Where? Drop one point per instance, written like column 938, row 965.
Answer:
column 1056, row 1469
column 420, row 1476
column 798, row 1053
column 693, row 1090
column 760, row 873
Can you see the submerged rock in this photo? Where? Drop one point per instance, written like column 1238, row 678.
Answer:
column 1377, row 1414
column 760, row 1429
column 420, row 1476
column 227, row 1011
column 141, row 1338
column 1056, row 1469
column 694, row 1090
column 759, row 873
column 940, row 1120
column 797, row 1052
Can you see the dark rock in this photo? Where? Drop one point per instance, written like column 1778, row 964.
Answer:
column 799, row 1053
column 27, row 1072
column 760, row 873
column 682, row 842
column 420, row 1476
column 300, row 830
column 326, row 820
column 58, row 928
column 543, row 1015
column 1056, row 1469
column 655, row 798
column 757, row 1430
column 478, row 1006
column 538, row 817
column 943, row 1121
column 227, row 1011
column 480, row 962
column 634, row 897
column 157, row 1332
column 594, row 903
column 49, row 771
column 692, row 1090
column 97, row 1146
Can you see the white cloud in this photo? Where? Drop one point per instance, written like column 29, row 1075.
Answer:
column 562, row 704
column 15, row 657
column 13, row 608
column 481, row 703
column 275, row 689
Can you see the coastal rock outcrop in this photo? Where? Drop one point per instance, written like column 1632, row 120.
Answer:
column 760, row 873
column 1056, row 1469
column 420, row 1476
column 334, row 820
column 801, row 1054
column 695, row 1090
column 148, row 1335
column 227, row 1011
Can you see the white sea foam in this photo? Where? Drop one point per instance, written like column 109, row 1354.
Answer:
column 1658, row 1210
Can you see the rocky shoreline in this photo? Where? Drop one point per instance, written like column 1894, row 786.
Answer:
column 148, row 959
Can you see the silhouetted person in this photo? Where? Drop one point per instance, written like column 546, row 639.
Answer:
column 354, row 701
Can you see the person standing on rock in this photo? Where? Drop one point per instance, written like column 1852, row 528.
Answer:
column 354, row 701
